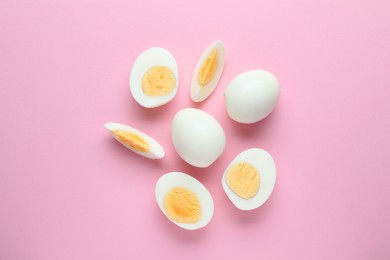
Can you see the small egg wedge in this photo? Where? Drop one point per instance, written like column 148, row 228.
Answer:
column 184, row 200
column 136, row 140
column 207, row 72
column 249, row 179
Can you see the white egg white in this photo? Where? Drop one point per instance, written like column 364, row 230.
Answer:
column 178, row 179
column 251, row 96
column 152, row 57
column 198, row 137
column 265, row 165
column 156, row 150
column 200, row 93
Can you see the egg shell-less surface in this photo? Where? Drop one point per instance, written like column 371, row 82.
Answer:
column 265, row 166
column 200, row 93
column 251, row 96
column 156, row 150
column 152, row 57
column 172, row 180
column 198, row 137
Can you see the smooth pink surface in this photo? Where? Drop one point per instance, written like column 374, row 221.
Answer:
column 68, row 190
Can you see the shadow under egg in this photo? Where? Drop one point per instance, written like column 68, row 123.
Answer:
column 127, row 156
column 182, row 235
column 144, row 113
column 260, row 128
column 248, row 217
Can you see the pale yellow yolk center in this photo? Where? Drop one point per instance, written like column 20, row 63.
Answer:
column 208, row 68
column 132, row 140
column 158, row 81
column 244, row 180
column 182, row 205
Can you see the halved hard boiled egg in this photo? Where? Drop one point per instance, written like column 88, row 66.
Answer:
column 154, row 78
column 207, row 72
column 136, row 140
column 249, row 179
column 184, row 200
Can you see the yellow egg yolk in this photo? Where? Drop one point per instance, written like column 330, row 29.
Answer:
column 208, row 68
column 182, row 205
column 243, row 179
column 158, row 81
column 132, row 140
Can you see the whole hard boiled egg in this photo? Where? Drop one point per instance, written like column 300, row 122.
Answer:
column 135, row 140
column 207, row 72
column 154, row 78
column 184, row 200
column 249, row 179
column 251, row 96
column 198, row 137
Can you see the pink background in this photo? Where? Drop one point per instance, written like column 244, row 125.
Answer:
column 68, row 190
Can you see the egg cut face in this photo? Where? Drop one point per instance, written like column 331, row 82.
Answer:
column 154, row 78
column 184, row 200
column 208, row 72
column 251, row 96
column 198, row 137
column 249, row 179
column 136, row 141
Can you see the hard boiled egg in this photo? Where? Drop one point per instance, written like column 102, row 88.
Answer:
column 197, row 137
column 184, row 200
column 251, row 96
column 154, row 78
column 136, row 140
column 249, row 179
column 207, row 72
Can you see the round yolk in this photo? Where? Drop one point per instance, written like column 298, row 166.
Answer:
column 243, row 179
column 132, row 140
column 208, row 68
column 158, row 81
column 182, row 205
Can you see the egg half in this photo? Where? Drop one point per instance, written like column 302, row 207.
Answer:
column 198, row 137
column 251, row 96
column 249, row 179
column 154, row 78
column 184, row 200
column 207, row 72
column 136, row 141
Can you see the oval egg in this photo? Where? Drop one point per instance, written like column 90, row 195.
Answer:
column 198, row 137
column 184, row 200
column 154, row 78
column 251, row 96
column 207, row 72
column 136, row 141
column 249, row 179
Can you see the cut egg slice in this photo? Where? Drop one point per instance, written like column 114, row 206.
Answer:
column 136, row 140
column 207, row 72
column 249, row 179
column 154, row 78
column 184, row 200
